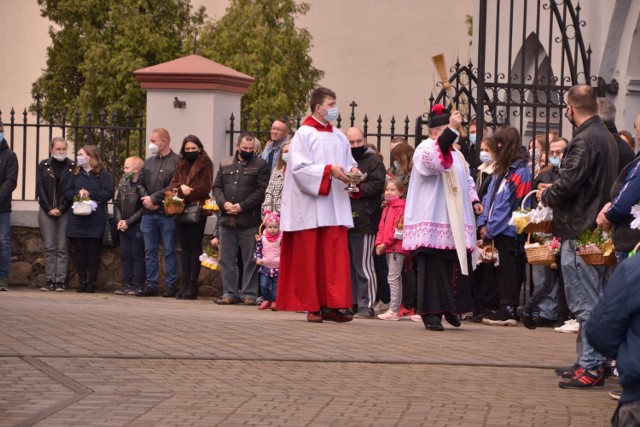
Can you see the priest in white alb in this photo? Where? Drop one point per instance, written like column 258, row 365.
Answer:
column 439, row 222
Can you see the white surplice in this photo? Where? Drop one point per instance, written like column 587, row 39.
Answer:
column 427, row 222
column 309, row 153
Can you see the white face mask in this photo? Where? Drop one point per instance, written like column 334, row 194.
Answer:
column 486, row 157
column 285, row 157
column 153, row 149
column 82, row 161
column 538, row 154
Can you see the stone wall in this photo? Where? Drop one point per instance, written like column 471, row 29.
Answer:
column 27, row 265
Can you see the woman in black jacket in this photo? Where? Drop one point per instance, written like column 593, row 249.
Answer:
column 193, row 179
column 89, row 180
column 51, row 178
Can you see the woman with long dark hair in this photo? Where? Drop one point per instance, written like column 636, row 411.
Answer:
column 91, row 181
column 510, row 184
column 193, row 179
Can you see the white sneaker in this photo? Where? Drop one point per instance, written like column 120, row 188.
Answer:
column 389, row 315
column 380, row 307
column 571, row 326
column 416, row 318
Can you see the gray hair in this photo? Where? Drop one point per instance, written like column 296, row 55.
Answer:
column 606, row 110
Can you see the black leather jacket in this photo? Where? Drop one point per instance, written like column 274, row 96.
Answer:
column 8, row 175
column 587, row 172
column 51, row 196
column 243, row 183
column 154, row 178
column 366, row 206
column 127, row 205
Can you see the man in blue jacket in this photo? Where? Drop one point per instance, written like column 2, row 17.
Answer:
column 614, row 330
column 8, row 183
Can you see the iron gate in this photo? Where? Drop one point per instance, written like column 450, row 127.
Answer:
column 530, row 53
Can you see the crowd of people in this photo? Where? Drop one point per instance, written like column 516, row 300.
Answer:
column 316, row 223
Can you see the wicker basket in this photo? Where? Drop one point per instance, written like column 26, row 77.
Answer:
column 485, row 251
column 82, row 209
column 173, row 209
column 541, row 227
column 598, row 258
column 539, row 255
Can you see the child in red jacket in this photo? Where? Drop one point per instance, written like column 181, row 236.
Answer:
column 389, row 241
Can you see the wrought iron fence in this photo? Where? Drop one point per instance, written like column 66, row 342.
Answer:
column 117, row 136
column 374, row 130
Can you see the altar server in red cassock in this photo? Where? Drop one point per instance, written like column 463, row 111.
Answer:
column 315, row 216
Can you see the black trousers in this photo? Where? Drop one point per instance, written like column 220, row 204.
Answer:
column 87, row 258
column 510, row 271
column 190, row 240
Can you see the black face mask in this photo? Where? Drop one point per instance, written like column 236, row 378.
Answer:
column 246, row 155
column 358, row 152
column 191, row 156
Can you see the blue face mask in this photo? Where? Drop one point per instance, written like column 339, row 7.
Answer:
column 332, row 114
column 396, row 165
column 285, row 157
column 1, row 136
column 486, row 157
column 472, row 138
column 82, row 161
column 555, row 161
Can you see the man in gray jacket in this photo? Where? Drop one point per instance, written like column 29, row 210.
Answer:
column 152, row 183
column 8, row 183
column 239, row 191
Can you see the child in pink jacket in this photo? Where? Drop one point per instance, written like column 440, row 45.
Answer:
column 389, row 242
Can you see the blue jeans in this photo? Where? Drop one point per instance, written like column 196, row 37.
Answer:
column 547, row 306
column 268, row 287
column 5, row 244
column 583, row 287
column 232, row 238
column 154, row 227
column 133, row 257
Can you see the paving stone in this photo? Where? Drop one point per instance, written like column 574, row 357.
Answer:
column 89, row 359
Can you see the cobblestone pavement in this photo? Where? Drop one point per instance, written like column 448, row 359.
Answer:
column 103, row 360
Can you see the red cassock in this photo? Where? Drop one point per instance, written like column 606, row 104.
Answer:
column 317, row 273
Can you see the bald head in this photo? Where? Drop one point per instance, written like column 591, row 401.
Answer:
column 356, row 137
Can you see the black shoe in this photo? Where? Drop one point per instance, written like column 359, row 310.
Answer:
column 364, row 313
column 191, row 292
column 147, row 292
column 60, row 287
column 506, row 316
column 526, row 318
column 432, row 323
column 567, row 372
column 543, row 322
column 452, row 319
column 478, row 316
column 169, row 293
column 82, row 287
column 584, row 378
column 49, row 286
column 91, row 287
